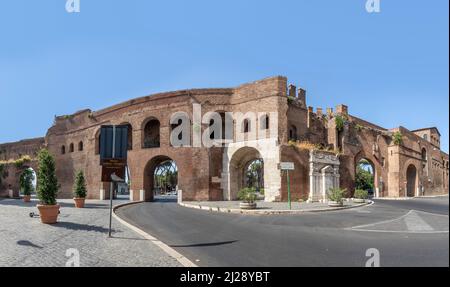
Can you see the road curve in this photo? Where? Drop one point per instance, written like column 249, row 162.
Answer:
column 316, row 239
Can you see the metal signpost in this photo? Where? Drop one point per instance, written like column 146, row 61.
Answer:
column 113, row 158
column 287, row 166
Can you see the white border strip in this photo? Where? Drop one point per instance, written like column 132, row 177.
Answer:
column 269, row 212
column 169, row 250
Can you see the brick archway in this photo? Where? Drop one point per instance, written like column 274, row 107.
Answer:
column 149, row 172
column 238, row 163
column 376, row 167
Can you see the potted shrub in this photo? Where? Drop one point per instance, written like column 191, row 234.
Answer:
column 336, row 197
column 248, row 196
column 26, row 184
column 360, row 196
column 47, row 188
column 79, row 190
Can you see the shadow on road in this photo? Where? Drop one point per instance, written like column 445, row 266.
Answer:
column 28, row 244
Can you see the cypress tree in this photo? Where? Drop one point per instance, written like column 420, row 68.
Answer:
column 79, row 187
column 47, row 182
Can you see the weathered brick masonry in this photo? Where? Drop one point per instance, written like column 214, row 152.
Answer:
column 415, row 167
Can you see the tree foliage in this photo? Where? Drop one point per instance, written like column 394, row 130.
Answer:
column 364, row 178
column 26, row 181
column 79, row 187
column 247, row 195
column 397, row 138
column 47, row 182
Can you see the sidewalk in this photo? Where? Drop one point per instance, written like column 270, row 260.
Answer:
column 268, row 207
column 25, row 241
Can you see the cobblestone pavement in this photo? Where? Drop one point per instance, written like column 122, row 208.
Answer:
column 24, row 241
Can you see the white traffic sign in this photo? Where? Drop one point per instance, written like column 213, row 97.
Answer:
column 287, row 166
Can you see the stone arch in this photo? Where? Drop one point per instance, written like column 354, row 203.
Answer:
column 378, row 184
column 412, row 179
column 63, row 149
column 71, row 148
column 151, row 133
column 237, row 167
column 149, row 172
column 80, row 146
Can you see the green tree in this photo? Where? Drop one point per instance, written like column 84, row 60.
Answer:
column 79, row 187
column 364, row 178
column 47, row 182
column 397, row 138
column 26, row 181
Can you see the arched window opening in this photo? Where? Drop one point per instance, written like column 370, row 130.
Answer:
column 129, row 136
column 80, row 146
column 293, row 133
column 71, row 148
column 152, row 134
column 265, row 122
column 63, row 149
column 246, row 126
column 425, row 161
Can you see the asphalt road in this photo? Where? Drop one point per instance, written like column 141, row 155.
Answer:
column 406, row 233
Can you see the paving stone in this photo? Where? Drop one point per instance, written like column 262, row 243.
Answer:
column 24, row 241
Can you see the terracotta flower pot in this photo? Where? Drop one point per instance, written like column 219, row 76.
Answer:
column 79, row 202
column 26, row 198
column 48, row 213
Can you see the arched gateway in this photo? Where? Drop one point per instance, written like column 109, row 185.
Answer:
column 160, row 177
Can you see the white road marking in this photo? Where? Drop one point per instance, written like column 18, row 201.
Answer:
column 415, row 223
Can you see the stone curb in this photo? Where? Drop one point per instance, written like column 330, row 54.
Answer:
column 268, row 212
column 169, row 250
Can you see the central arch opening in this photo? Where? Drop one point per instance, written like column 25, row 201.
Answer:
column 365, row 176
column 246, row 170
column 161, row 179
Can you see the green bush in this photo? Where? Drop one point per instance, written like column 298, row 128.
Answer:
column 397, row 138
column 340, row 122
column 47, row 182
column 290, row 99
column 247, row 195
column 79, row 187
column 26, row 181
column 337, row 194
column 361, row 194
column 364, row 179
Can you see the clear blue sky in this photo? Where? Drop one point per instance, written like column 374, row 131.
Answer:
column 390, row 68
